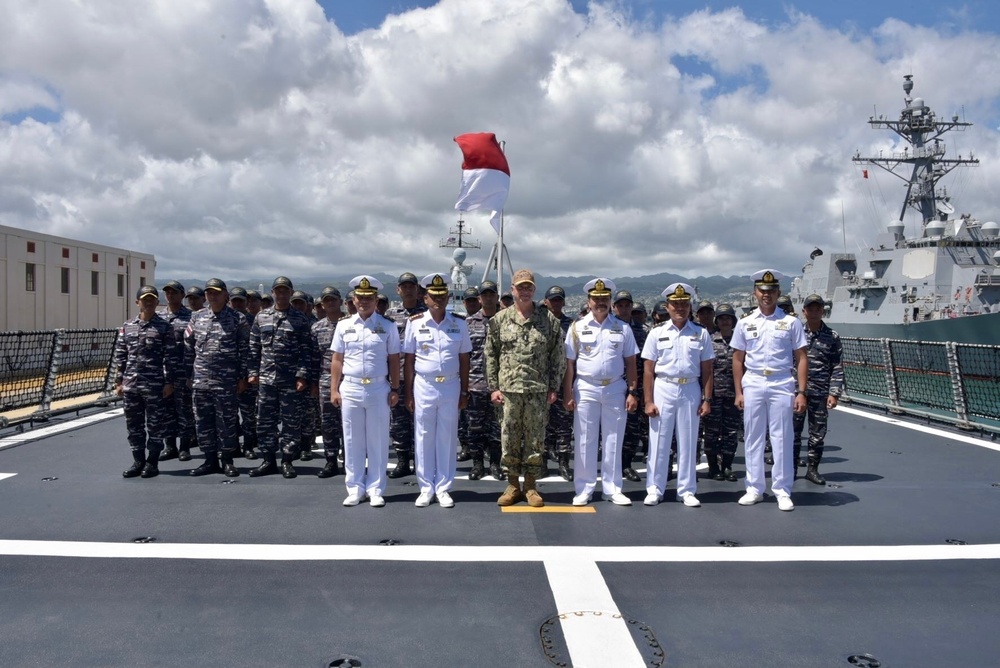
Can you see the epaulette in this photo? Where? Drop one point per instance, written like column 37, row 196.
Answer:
column 416, row 316
column 460, row 316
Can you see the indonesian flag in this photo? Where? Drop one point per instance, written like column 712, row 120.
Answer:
column 485, row 175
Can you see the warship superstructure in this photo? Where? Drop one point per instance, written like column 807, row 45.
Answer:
column 941, row 285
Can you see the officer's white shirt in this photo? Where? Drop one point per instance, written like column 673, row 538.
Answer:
column 436, row 345
column 365, row 345
column 678, row 353
column 769, row 340
column 600, row 349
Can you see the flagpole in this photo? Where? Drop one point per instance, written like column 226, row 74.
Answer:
column 503, row 146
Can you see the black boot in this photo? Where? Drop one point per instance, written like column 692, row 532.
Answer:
column 813, row 476
column 249, row 443
column 139, row 457
column 714, row 470
column 306, row 446
column 478, row 467
column 402, row 466
column 331, row 469
column 629, row 473
column 228, row 467
column 170, row 452
column 564, row 470
column 727, row 468
column 267, row 467
column 495, row 469
column 210, row 465
column 151, row 469
column 463, row 453
column 184, row 453
column 287, row 470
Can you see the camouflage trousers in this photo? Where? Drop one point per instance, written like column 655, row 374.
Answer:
column 636, row 431
column 722, row 426
column 217, row 420
column 401, row 427
column 482, row 431
column 522, row 432
column 559, row 430
column 178, row 405
column 818, row 415
column 331, row 424
column 148, row 420
column 248, row 414
column 279, row 405
column 310, row 420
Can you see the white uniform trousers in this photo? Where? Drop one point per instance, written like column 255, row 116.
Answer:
column 365, row 416
column 678, row 405
column 600, row 410
column 767, row 409
column 435, row 433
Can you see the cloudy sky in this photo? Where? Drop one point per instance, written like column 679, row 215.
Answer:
column 244, row 138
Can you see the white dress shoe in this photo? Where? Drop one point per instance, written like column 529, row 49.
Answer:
column 423, row 500
column 785, row 502
column 690, row 500
column 651, row 499
column 750, row 498
column 353, row 499
column 444, row 499
column 376, row 500
column 619, row 499
column 581, row 499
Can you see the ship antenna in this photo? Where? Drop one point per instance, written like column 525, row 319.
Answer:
column 843, row 224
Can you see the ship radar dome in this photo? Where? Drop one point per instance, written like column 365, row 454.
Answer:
column 895, row 227
column 935, row 228
column 991, row 230
column 459, row 255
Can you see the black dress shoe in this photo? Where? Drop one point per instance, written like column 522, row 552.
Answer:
column 250, row 453
column 631, row 474
column 150, row 470
column 307, row 454
column 495, row 470
column 402, row 468
column 478, row 469
column 169, row 453
column 729, row 475
column 183, row 455
column 769, row 459
column 229, row 468
column 331, row 469
column 267, row 467
column 135, row 470
column 287, row 470
column 211, row 465
column 463, row 454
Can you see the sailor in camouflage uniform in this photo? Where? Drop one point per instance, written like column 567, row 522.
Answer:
column 636, row 422
column 484, row 429
column 330, row 415
column 401, row 424
column 559, row 431
column 722, row 425
column 824, row 385
column 524, row 369
column 302, row 302
column 239, row 300
column 145, row 374
column 195, row 297
column 470, row 298
column 280, row 361
column 179, row 403
column 215, row 347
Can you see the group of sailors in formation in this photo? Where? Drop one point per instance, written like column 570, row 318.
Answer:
column 515, row 380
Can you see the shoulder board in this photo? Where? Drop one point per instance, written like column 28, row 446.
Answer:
column 459, row 316
column 416, row 316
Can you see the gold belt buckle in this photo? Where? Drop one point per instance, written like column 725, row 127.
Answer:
column 439, row 379
column 366, row 381
column 682, row 381
column 768, row 372
column 605, row 381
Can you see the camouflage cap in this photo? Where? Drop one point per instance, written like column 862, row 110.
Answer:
column 638, row 306
column 507, row 295
column 705, row 304
column 331, row 292
column 814, row 299
column 238, row 293
column 408, row 277
column 253, row 294
column 555, row 292
column 282, row 282
column 146, row 291
column 488, row 286
column 784, row 301
column 266, row 297
column 381, row 298
column 174, row 285
column 299, row 296
column 215, row 284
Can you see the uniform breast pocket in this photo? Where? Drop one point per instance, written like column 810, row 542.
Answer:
column 781, row 334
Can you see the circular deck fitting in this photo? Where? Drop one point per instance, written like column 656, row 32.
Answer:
column 956, row 541
column 390, row 541
column 49, row 479
column 342, row 661
column 730, row 543
column 144, row 539
column 833, row 485
column 864, row 660
column 228, row 482
column 554, row 644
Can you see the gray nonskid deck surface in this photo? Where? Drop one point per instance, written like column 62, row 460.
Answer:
column 897, row 487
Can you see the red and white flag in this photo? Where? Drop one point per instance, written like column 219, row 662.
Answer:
column 485, row 175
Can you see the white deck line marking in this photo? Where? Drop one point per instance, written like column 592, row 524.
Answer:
column 36, row 434
column 4, row 476
column 489, row 553
column 933, row 431
column 592, row 641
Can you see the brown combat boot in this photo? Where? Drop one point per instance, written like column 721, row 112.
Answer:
column 530, row 493
column 512, row 494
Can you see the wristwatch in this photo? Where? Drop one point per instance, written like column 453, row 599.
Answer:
column 634, row 393
column 802, row 392
column 708, row 399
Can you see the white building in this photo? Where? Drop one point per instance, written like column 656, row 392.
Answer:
column 52, row 282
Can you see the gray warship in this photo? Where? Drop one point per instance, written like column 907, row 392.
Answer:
column 941, row 285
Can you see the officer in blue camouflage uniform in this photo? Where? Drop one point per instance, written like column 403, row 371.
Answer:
column 825, row 384
column 303, row 302
column 470, row 299
column 239, row 299
column 179, row 403
column 280, row 363
column 215, row 351
column 484, row 429
column 559, row 431
column 145, row 374
column 722, row 425
column 401, row 421
column 253, row 304
column 636, row 422
column 330, row 415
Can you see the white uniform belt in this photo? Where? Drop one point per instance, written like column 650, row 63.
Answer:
column 438, row 378
column 680, row 380
column 364, row 380
column 770, row 372
column 603, row 382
